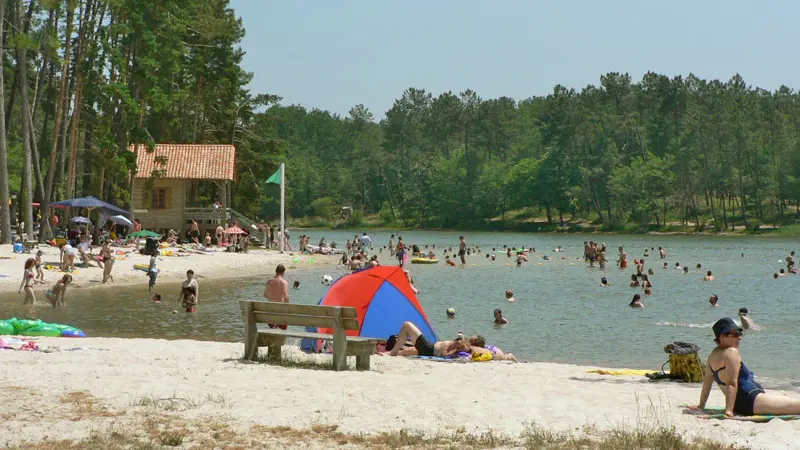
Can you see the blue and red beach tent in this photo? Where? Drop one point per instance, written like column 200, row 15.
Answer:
column 383, row 299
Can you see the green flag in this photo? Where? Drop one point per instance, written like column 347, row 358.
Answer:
column 275, row 178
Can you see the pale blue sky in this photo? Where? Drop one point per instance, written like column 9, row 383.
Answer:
column 334, row 54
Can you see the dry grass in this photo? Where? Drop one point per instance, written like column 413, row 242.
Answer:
column 150, row 430
column 82, row 406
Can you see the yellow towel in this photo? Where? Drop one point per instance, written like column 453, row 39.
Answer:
column 622, row 372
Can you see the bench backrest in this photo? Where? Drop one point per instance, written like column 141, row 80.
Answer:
column 302, row 315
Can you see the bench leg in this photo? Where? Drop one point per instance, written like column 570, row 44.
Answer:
column 362, row 362
column 251, row 348
column 274, row 348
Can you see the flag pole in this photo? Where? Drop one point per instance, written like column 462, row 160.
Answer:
column 283, row 192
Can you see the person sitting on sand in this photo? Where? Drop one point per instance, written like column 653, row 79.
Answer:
column 510, row 295
column 708, row 276
column 636, row 302
column 421, row 346
column 634, row 281
column 747, row 322
column 714, row 300
column 478, row 346
column 498, row 317
column 207, row 240
column 743, row 395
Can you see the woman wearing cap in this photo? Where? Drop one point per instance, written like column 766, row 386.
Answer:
column 743, row 396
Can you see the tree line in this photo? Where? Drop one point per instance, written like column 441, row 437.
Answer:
column 662, row 151
column 82, row 80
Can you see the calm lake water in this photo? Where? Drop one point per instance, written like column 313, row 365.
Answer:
column 562, row 314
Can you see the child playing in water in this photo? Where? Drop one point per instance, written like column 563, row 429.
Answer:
column 510, row 295
column 39, row 271
column 55, row 295
column 152, row 271
column 28, row 281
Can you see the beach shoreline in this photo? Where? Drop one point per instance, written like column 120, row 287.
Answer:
column 172, row 269
column 122, row 380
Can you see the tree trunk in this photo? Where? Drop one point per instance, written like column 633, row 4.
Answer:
column 5, row 215
column 60, row 115
column 22, row 62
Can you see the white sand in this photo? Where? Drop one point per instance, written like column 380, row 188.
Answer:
column 396, row 394
column 172, row 268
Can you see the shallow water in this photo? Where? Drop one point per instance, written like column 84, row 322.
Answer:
column 562, row 314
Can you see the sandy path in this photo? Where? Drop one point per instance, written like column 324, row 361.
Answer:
column 208, row 378
column 218, row 265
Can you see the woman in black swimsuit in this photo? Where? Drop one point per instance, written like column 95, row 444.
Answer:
column 743, row 395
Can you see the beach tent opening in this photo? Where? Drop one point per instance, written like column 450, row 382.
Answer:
column 383, row 299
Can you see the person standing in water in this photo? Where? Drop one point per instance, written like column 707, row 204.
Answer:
column 400, row 251
column 189, row 293
column 790, row 262
column 108, row 261
column 277, row 290
column 622, row 262
column 462, row 250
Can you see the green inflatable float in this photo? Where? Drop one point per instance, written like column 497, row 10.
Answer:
column 31, row 327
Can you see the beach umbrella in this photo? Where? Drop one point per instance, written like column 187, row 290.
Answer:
column 80, row 219
column 145, row 233
column 383, row 299
column 121, row 220
column 235, row 230
column 90, row 203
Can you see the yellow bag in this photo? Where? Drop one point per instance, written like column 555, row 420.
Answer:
column 482, row 357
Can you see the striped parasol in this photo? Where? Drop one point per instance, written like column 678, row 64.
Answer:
column 235, row 230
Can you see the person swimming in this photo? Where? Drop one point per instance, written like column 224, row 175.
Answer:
column 603, row 282
column 714, row 300
column 747, row 322
column 708, row 277
column 451, row 313
column 634, row 281
column 686, row 269
column 296, row 285
column 636, row 302
column 510, row 295
column 498, row 317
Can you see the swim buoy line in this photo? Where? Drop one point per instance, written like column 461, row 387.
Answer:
column 35, row 327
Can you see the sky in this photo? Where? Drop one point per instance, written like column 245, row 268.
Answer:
column 334, row 54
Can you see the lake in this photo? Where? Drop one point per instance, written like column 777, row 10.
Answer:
column 562, row 313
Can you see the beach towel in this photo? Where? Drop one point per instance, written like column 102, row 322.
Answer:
column 719, row 414
column 440, row 359
column 622, row 372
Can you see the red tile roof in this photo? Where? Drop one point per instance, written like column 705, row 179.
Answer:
column 187, row 161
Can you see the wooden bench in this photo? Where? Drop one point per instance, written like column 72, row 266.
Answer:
column 337, row 318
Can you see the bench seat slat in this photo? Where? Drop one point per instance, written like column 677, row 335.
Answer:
column 307, row 335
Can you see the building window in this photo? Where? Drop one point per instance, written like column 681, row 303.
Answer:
column 162, row 198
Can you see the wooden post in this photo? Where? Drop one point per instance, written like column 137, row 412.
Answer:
column 339, row 342
column 250, row 331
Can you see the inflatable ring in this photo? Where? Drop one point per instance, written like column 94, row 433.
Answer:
column 425, row 261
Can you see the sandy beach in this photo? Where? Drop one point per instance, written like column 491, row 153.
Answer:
column 217, row 265
column 115, row 383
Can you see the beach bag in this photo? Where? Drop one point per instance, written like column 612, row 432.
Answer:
column 684, row 362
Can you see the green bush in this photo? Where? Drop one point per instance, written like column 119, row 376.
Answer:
column 323, row 207
column 356, row 219
column 385, row 213
column 753, row 225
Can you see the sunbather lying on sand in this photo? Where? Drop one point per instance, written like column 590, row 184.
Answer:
column 421, row 346
column 478, row 346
